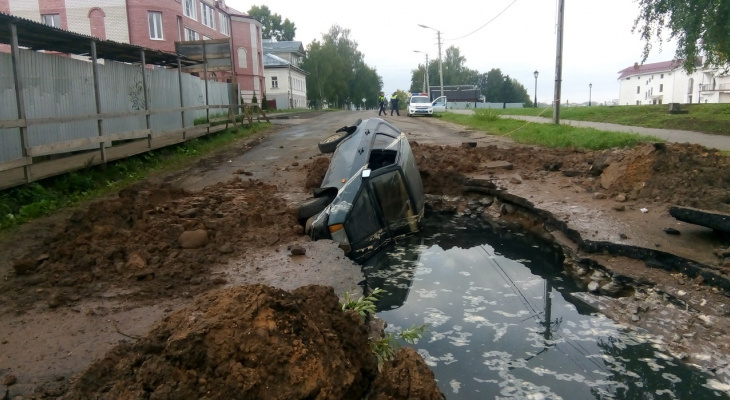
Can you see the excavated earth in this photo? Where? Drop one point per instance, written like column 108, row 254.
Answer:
column 225, row 337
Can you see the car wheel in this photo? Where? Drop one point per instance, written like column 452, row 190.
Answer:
column 313, row 207
column 330, row 144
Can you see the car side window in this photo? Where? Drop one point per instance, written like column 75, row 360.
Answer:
column 392, row 196
column 363, row 220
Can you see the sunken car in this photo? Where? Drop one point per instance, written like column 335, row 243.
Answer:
column 372, row 191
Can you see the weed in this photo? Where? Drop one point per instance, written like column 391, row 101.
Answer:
column 486, row 115
column 384, row 349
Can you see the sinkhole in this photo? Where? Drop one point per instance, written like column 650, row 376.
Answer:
column 503, row 322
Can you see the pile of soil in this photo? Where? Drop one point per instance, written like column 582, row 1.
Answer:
column 682, row 174
column 150, row 242
column 256, row 342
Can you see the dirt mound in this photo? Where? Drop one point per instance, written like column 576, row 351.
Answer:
column 316, row 172
column 682, row 174
column 254, row 342
column 150, row 242
column 406, row 377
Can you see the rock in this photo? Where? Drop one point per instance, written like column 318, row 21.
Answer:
column 10, row 379
column 593, row 287
column 598, row 276
column 298, row 250
column 671, row 231
column 506, row 209
column 623, row 236
column 515, row 180
column 486, row 201
column 225, row 248
column 136, row 261
column 621, row 197
column 612, row 288
column 193, row 239
column 295, row 164
column 635, row 318
column 620, row 207
column 599, row 196
column 25, row 266
column 499, row 164
column 189, row 213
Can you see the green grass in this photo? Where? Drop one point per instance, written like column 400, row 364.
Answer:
column 547, row 135
column 708, row 118
column 24, row 203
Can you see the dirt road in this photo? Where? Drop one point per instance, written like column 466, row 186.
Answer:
column 77, row 284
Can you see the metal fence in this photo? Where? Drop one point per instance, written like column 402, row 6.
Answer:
column 65, row 129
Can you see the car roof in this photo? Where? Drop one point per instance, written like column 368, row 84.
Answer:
column 353, row 153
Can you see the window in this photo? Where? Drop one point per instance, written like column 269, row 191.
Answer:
column 638, row 89
column 155, row 21
column 224, row 23
column 661, row 87
column 274, row 82
column 53, row 20
column 205, row 37
column 189, row 8
column 242, row 60
column 191, row 34
column 208, row 15
column 661, row 76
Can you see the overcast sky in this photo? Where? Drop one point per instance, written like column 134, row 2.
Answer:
column 597, row 38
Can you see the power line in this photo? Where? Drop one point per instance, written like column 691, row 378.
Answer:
column 487, row 23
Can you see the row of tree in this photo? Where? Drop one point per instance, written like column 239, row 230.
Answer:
column 493, row 85
column 339, row 75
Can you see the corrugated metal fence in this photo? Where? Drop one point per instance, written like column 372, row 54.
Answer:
column 61, row 114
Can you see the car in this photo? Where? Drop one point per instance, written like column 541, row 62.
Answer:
column 372, row 192
column 421, row 104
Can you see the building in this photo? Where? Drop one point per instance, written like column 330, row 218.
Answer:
column 666, row 82
column 158, row 24
column 286, row 81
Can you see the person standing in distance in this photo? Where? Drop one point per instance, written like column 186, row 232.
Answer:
column 394, row 104
column 383, row 102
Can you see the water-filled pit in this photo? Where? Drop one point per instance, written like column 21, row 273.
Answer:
column 503, row 322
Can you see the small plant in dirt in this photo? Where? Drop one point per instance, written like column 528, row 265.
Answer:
column 384, row 349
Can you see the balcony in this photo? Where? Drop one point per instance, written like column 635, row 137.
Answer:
column 723, row 87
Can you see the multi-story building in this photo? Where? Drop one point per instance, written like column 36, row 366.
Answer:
column 158, row 24
column 666, row 82
column 286, row 81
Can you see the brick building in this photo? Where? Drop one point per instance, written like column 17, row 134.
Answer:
column 158, row 24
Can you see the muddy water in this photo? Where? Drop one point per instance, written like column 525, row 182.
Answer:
column 503, row 323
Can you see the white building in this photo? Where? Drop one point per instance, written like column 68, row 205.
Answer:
column 286, row 82
column 666, row 82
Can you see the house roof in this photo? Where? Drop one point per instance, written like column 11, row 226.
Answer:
column 38, row 36
column 663, row 66
column 283, row 47
column 272, row 61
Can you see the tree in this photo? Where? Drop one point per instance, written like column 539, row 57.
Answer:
column 699, row 26
column 273, row 27
column 338, row 73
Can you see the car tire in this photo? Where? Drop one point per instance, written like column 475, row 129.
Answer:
column 330, row 144
column 312, row 207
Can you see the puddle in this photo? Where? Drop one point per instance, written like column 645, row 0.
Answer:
column 504, row 325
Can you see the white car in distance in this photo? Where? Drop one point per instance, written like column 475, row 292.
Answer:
column 421, row 104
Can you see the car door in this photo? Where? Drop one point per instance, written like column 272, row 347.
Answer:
column 439, row 105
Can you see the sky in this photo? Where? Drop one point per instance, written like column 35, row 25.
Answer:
column 520, row 37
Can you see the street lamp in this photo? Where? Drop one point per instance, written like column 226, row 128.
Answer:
column 536, row 73
column 504, row 93
column 590, row 89
column 441, row 71
column 425, row 82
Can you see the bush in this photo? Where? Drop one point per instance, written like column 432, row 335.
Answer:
column 486, row 115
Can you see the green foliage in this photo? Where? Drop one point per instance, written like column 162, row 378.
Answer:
column 338, row 73
column 364, row 305
column 708, row 118
column 254, row 100
column 272, row 26
column 486, row 115
column 698, row 26
column 551, row 135
column 385, row 348
column 264, row 103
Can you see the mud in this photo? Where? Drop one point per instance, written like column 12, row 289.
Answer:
column 158, row 244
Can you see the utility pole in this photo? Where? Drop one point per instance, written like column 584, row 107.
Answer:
column 558, row 63
column 441, row 71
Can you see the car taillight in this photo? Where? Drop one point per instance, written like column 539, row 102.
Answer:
column 339, row 235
